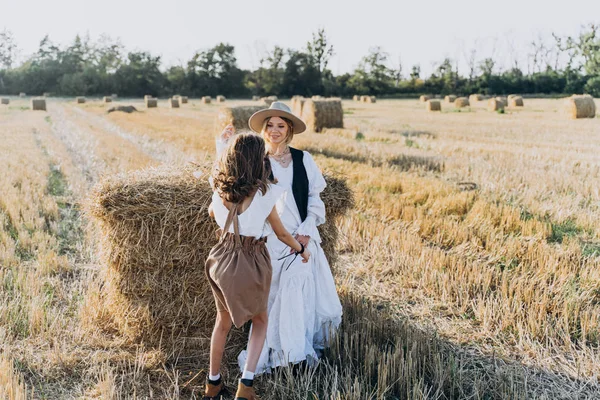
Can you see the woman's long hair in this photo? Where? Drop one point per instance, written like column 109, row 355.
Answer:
column 242, row 169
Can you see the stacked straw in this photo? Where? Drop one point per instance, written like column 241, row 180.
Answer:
column 38, row 104
column 150, row 102
column 206, row 100
column 461, row 102
column 580, row 106
column 449, row 99
column 319, row 114
column 495, row 105
column 220, row 99
column 433, row 105
column 356, row 97
column 236, row 116
column 173, row 102
column 156, row 234
column 474, row 98
column 515, row 101
column 80, row 100
column 107, row 99
column 4, row 100
column 298, row 105
column 424, row 98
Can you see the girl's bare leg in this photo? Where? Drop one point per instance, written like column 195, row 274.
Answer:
column 257, row 340
column 218, row 340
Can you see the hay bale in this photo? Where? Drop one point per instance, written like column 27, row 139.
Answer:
column 272, row 98
column 38, row 104
column 205, row 100
column 22, row 94
column 319, row 114
column 298, row 105
column 156, row 233
column 495, row 105
column 173, row 103
column 433, row 105
column 80, row 100
column 107, row 99
column 474, row 98
column 510, row 96
column 424, row 98
column 371, row 99
column 125, row 109
column 317, row 97
column 148, row 96
column 4, row 100
column 267, row 101
column 183, row 99
column 449, row 99
column 220, row 99
column 151, row 102
column 578, row 106
column 504, row 100
column 255, row 98
column 461, row 102
column 236, row 116
column 356, row 97
column 515, row 101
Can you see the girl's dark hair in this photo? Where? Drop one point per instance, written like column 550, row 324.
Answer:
column 242, row 168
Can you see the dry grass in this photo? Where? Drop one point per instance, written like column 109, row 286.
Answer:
column 483, row 230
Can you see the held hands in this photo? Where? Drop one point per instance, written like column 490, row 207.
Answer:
column 305, row 255
column 228, row 132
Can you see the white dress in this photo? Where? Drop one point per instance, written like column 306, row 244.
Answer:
column 303, row 305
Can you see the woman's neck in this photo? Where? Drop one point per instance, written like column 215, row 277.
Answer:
column 273, row 148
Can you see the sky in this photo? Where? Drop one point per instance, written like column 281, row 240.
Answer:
column 411, row 32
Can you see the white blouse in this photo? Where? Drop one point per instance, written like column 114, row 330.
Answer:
column 253, row 221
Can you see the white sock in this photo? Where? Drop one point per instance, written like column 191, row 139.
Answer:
column 247, row 374
column 214, row 377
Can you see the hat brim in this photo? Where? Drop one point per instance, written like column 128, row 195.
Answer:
column 257, row 120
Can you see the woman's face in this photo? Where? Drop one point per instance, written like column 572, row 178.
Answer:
column 276, row 131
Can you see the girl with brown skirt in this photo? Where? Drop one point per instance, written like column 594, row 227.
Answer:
column 239, row 267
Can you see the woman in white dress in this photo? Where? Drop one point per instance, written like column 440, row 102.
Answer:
column 303, row 307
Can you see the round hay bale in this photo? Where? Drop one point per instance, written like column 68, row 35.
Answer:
column 433, row 105
column 298, row 105
column 515, row 101
column 151, row 102
column 317, row 97
column 148, row 96
column 273, row 98
column 474, row 98
column 236, row 116
column 220, row 99
column 424, row 98
column 371, row 99
column 449, row 99
column 504, row 100
column 206, row 100
column 156, row 233
column 107, row 99
column 268, row 101
column 22, row 94
column 173, row 103
column 580, row 106
column 319, row 114
column 510, row 96
column 38, row 104
column 183, row 99
column 255, row 98
column 4, row 100
column 461, row 102
column 495, row 105
column 80, row 100
column 356, row 97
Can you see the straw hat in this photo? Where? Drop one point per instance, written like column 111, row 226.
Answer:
column 277, row 109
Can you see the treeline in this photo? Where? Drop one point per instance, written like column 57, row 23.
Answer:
column 102, row 67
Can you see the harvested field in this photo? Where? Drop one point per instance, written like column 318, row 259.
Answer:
column 467, row 268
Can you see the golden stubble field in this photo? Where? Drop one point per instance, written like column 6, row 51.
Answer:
column 473, row 251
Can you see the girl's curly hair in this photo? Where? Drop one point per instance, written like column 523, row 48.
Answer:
column 242, row 169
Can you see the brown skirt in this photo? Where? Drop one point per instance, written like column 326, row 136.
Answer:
column 239, row 271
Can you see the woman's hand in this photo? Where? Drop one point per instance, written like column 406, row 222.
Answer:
column 228, row 132
column 305, row 255
column 303, row 239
